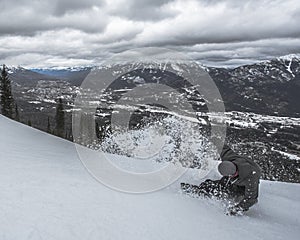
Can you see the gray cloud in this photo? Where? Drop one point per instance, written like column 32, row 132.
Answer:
column 67, row 32
column 20, row 17
column 144, row 10
column 65, row 6
column 226, row 22
column 238, row 53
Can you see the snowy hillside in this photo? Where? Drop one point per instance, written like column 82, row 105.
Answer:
column 46, row 193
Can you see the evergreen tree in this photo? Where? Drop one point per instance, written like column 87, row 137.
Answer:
column 17, row 116
column 66, row 135
column 70, row 135
column 48, row 126
column 6, row 101
column 29, row 123
column 60, row 119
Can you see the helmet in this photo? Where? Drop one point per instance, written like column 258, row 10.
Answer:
column 227, row 168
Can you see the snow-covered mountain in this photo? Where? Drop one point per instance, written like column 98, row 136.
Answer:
column 270, row 87
column 46, row 193
column 31, row 77
column 259, row 92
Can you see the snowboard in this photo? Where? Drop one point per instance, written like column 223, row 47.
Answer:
column 193, row 190
column 196, row 191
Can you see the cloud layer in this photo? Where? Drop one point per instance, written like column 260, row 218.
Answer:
column 74, row 32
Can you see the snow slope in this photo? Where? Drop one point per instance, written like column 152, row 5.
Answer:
column 46, row 193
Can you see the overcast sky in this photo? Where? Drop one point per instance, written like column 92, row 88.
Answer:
column 46, row 33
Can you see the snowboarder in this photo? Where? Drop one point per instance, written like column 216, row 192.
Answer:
column 240, row 182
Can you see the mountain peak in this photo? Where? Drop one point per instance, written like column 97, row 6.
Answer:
column 289, row 57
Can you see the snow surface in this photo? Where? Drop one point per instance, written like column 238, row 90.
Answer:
column 46, row 193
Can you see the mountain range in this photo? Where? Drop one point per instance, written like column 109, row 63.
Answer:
column 270, row 87
column 261, row 100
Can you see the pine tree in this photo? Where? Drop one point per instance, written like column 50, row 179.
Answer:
column 70, row 135
column 48, row 126
column 66, row 135
column 60, row 119
column 6, row 101
column 29, row 123
column 17, row 116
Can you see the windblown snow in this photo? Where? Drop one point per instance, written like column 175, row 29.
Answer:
column 46, row 193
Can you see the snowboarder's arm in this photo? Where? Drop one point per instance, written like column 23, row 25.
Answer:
column 227, row 154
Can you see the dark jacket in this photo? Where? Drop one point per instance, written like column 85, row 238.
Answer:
column 248, row 176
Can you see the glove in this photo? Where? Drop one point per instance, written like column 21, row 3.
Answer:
column 234, row 211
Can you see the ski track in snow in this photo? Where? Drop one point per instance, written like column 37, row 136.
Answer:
column 46, row 193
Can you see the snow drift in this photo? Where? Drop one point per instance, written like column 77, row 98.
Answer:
column 46, row 193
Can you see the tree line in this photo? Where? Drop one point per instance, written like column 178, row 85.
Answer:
column 9, row 107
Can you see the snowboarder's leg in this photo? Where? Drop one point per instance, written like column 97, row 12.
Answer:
column 236, row 193
column 209, row 188
column 216, row 188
